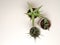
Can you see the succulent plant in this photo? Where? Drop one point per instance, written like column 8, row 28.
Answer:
column 34, row 32
column 33, row 13
column 45, row 23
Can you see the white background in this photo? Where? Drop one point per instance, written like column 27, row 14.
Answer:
column 15, row 24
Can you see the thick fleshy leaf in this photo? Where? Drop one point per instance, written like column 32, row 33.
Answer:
column 37, row 8
column 28, row 13
column 30, row 7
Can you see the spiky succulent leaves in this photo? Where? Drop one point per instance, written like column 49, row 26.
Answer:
column 34, row 32
column 30, row 7
column 37, row 9
column 29, row 13
column 33, row 11
column 45, row 23
column 37, row 12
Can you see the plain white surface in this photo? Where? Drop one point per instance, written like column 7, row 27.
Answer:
column 14, row 24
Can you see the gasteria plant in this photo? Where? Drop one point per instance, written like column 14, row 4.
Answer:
column 33, row 13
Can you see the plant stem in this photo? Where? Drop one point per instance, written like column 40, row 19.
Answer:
column 32, row 20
